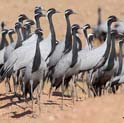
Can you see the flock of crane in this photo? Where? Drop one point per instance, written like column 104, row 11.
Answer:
column 33, row 59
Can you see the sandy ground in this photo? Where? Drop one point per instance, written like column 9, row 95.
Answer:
column 105, row 109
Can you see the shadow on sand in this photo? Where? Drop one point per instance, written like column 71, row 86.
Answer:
column 22, row 114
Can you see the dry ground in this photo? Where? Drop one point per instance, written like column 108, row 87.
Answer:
column 105, row 109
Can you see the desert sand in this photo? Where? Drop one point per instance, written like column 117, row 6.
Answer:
column 106, row 109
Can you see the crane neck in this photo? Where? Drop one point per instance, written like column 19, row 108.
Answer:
column 68, row 37
column 86, row 38
column 37, row 19
column 11, row 38
column 53, row 35
column 37, row 56
column 120, row 60
column 79, row 42
column 74, row 50
column 90, row 43
column 29, row 29
column 112, row 54
column 99, row 18
column 4, row 42
column 24, row 34
column 108, row 40
column 19, row 38
column 52, row 30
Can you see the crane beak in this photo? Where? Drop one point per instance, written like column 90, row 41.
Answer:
column 79, row 30
column 27, row 17
column 75, row 13
column 44, row 10
column 13, row 30
column 43, row 15
column 120, row 34
column 121, row 41
column 41, row 31
column 82, row 28
column 120, row 20
column 58, row 12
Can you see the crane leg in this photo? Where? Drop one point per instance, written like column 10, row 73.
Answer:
column 23, row 86
column 7, row 85
column 53, row 80
column 77, row 85
column 31, row 83
column 73, row 88
column 15, row 82
column 39, row 93
column 88, row 84
column 20, row 79
column 63, row 79
column 50, row 90
column 76, row 93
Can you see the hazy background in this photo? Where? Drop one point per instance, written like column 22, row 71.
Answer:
column 86, row 9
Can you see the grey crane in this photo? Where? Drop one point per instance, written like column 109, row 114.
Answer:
column 76, row 48
column 39, row 9
column 3, row 45
column 2, row 51
column 118, row 77
column 2, row 25
column 27, row 28
column 38, row 13
column 22, row 53
column 35, row 71
column 30, row 39
column 105, row 73
column 21, row 19
column 98, row 55
column 47, row 45
column 10, row 48
column 100, row 30
column 87, row 43
column 37, row 19
column 4, row 41
column 65, row 45
column 19, row 42
column 119, row 26
column 10, row 33
column 68, row 60
column 72, row 71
